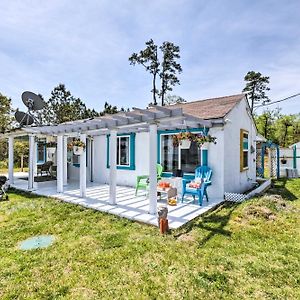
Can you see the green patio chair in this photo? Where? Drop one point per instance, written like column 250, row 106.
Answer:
column 142, row 181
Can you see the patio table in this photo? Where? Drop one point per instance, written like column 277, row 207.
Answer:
column 169, row 192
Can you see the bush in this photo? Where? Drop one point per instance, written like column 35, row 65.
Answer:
column 4, row 164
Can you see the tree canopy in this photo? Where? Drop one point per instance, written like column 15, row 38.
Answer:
column 165, row 67
column 62, row 107
column 256, row 88
column 174, row 99
column 283, row 130
column 5, row 113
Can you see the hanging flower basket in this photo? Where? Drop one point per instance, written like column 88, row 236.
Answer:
column 184, row 139
column 78, row 146
column 283, row 160
column 185, row 144
column 51, row 150
column 78, row 150
column 51, row 147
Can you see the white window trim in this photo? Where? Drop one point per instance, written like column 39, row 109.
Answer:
column 129, row 152
column 246, row 150
column 179, row 150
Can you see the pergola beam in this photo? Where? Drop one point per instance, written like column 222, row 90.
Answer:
column 136, row 120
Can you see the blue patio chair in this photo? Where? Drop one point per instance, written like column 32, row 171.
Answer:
column 203, row 173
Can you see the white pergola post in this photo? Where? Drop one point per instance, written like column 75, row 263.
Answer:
column 83, row 168
column 152, row 169
column 11, row 159
column 60, row 164
column 113, row 167
column 31, row 164
column 65, row 160
column 35, row 157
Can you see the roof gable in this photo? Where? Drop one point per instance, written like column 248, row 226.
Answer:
column 213, row 108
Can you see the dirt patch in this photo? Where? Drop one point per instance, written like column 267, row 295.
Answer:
column 260, row 212
column 187, row 237
column 277, row 203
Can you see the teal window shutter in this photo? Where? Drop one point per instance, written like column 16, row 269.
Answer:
column 204, row 157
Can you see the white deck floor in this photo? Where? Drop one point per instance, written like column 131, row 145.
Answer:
column 128, row 205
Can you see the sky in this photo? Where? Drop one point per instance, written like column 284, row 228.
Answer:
column 86, row 45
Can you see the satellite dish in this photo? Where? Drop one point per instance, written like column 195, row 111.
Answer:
column 33, row 101
column 24, row 118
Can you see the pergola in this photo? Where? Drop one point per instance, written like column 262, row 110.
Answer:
column 138, row 120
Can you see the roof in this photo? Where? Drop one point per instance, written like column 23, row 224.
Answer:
column 260, row 138
column 213, row 108
column 192, row 114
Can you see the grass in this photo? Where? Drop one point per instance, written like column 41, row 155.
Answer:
column 245, row 251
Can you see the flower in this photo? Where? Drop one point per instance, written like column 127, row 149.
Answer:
column 76, row 143
column 199, row 138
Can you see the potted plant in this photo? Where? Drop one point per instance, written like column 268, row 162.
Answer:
column 51, row 147
column 283, row 160
column 78, row 146
column 204, row 140
column 183, row 139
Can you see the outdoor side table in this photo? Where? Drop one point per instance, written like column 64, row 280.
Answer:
column 169, row 192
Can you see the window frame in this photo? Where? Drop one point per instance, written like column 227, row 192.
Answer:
column 171, row 132
column 242, row 150
column 131, row 165
column 119, row 149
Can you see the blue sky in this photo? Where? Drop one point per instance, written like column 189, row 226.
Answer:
column 86, row 45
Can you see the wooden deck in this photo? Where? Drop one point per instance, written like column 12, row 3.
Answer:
column 128, row 205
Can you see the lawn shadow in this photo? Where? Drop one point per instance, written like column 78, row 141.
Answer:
column 279, row 187
column 26, row 194
column 213, row 222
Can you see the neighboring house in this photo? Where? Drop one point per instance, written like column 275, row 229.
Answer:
column 232, row 158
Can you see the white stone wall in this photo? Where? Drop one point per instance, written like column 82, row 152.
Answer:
column 124, row 177
column 216, row 163
column 235, row 180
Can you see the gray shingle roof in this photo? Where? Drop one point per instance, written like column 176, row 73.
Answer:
column 213, row 108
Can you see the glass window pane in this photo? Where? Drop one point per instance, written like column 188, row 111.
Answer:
column 245, row 159
column 123, row 151
column 190, row 158
column 169, row 154
column 245, row 141
column 41, row 152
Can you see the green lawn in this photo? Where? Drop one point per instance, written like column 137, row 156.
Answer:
column 246, row 251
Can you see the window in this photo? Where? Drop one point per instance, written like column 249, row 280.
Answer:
column 125, row 151
column 173, row 157
column 244, row 150
column 41, row 152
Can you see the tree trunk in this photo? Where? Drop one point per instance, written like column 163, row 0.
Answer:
column 252, row 102
column 285, row 134
column 154, row 89
column 266, row 128
column 163, row 91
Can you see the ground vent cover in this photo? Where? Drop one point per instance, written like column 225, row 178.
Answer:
column 37, row 242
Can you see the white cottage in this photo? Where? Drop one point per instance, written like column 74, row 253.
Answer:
column 122, row 146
